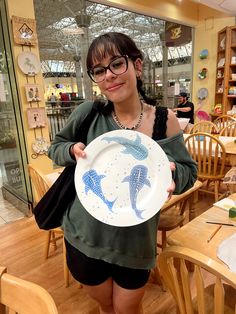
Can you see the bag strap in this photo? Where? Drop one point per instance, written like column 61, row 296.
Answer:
column 84, row 127
column 159, row 128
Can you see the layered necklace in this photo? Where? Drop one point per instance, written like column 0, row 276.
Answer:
column 135, row 126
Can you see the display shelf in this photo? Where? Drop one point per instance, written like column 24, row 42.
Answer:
column 225, row 84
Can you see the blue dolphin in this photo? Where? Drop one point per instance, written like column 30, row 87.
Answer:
column 134, row 148
column 92, row 182
column 137, row 179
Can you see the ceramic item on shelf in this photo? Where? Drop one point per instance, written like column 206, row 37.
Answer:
column 221, row 62
column 29, row 63
column 204, row 54
column 40, row 147
column 124, row 178
column 202, row 93
column 222, row 43
column 202, row 74
column 218, row 108
column 233, row 60
column 233, row 75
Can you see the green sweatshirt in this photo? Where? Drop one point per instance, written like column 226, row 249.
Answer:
column 134, row 246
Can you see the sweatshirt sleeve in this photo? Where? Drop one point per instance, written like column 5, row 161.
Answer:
column 59, row 150
column 185, row 174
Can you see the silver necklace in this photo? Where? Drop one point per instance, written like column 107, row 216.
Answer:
column 134, row 127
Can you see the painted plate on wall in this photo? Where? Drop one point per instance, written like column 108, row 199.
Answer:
column 204, row 54
column 202, row 93
column 29, row 63
column 123, row 181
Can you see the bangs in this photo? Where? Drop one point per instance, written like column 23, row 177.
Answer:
column 109, row 45
column 102, row 51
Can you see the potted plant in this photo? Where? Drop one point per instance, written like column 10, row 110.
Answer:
column 7, row 139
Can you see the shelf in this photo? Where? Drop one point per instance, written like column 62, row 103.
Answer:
column 227, row 37
column 215, row 114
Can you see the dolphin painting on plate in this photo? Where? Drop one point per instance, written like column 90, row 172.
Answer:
column 132, row 147
column 137, row 179
column 92, row 182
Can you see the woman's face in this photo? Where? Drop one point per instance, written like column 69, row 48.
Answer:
column 122, row 87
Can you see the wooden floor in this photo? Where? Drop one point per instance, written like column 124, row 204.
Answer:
column 22, row 252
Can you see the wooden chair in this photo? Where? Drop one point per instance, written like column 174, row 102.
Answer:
column 209, row 153
column 204, row 126
column 23, row 297
column 223, row 121
column 229, row 130
column 173, row 213
column 41, row 186
column 217, row 298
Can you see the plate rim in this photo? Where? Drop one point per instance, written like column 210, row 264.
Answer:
column 82, row 163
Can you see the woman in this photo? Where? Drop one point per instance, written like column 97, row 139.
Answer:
column 113, row 263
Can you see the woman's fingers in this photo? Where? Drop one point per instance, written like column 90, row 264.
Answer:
column 171, row 189
column 78, row 150
column 172, row 166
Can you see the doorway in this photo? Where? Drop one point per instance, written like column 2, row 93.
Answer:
column 15, row 185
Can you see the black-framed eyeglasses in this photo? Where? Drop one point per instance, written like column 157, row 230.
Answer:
column 117, row 66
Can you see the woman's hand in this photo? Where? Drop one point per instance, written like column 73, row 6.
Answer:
column 77, row 150
column 171, row 189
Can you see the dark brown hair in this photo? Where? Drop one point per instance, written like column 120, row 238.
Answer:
column 112, row 44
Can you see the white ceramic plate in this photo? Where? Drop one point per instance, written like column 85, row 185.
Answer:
column 123, row 181
column 29, row 63
column 202, row 93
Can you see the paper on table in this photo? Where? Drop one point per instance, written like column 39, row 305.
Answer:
column 226, row 139
column 227, row 253
column 225, row 203
column 183, row 122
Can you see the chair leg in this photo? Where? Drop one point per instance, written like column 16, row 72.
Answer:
column 158, row 278
column 47, row 244
column 163, row 239
column 2, row 309
column 66, row 270
column 53, row 240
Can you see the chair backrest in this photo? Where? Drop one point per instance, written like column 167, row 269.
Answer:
column 223, row 121
column 204, row 126
column 23, row 297
column 39, row 181
column 189, row 290
column 229, row 130
column 209, row 153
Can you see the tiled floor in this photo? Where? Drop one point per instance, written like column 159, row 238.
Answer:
column 8, row 212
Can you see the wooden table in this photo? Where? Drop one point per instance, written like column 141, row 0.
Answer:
column 230, row 148
column 194, row 234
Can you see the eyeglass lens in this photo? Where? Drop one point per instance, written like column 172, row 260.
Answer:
column 117, row 66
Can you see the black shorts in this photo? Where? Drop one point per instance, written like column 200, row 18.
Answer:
column 90, row 271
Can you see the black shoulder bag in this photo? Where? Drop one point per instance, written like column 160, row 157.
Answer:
column 50, row 209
